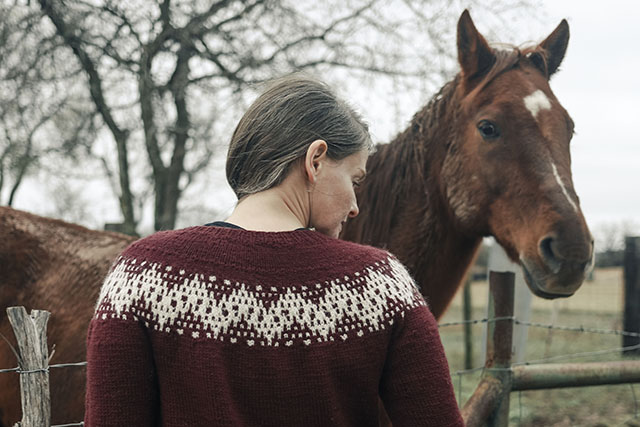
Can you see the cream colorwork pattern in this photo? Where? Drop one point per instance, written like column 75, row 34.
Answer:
column 215, row 308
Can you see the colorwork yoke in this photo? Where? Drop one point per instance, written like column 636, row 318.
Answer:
column 212, row 326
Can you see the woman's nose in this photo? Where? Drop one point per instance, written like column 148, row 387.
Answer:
column 354, row 211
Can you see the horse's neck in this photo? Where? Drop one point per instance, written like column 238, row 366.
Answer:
column 404, row 210
column 435, row 251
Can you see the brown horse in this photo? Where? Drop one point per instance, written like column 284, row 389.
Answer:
column 488, row 156
column 52, row 265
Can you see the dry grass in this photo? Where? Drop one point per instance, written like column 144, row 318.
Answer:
column 598, row 304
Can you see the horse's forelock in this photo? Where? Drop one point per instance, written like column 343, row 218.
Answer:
column 506, row 59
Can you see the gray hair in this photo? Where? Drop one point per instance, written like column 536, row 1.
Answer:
column 280, row 125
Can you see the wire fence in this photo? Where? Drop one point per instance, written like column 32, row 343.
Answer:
column 580, row 328
column 458, row 374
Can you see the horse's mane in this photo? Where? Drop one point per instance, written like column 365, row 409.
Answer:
column 510, row 56
column 402, row 165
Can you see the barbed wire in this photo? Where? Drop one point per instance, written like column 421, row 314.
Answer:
column 635, row 402
column 59, row 365
column 515, row 320
column 475, row 321
column 543, row 325
column 546, row 359
column 68, row 365
column 519, row 408
column 578, row 329
column 574, row 355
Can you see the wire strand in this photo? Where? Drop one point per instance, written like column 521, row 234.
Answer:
column 520, row 406
column 59, row 365
column 539, row 361
column 635, row 401
column 68, row 365
column 475, row 321
column 542, row 325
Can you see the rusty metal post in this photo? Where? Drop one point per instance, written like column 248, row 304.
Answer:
column 33, row 361
column 481, row 404
column 631, row 318
column 499, row 341
column 489, row 404
column 467, row 309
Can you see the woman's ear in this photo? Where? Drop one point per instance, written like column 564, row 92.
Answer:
column 315, row 159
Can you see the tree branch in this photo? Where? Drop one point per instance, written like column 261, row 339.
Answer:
column 95, row 89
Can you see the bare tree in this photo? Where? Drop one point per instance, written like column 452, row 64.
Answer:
column 27, row 73
column 157, row 74
column 610, row 235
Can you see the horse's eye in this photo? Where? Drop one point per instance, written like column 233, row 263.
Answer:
column 488, row 130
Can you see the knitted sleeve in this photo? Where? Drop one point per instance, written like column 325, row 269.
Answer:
column 416, row 384
column 121, row 378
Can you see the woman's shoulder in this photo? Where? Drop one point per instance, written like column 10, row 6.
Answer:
column 377, row 267
column 345, row 246
column 360, row 254
column 167, row 241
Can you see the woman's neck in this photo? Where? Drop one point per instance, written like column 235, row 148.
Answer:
column 271, row 210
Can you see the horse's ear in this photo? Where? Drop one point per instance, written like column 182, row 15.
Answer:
column 474, row 54
column 555, row 46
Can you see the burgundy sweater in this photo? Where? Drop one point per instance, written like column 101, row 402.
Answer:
column 211, row 326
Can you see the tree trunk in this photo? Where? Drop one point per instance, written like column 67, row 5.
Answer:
column 95, row 88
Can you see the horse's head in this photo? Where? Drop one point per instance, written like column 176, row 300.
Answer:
column 507, row 171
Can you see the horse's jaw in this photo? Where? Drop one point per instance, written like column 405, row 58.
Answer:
column 553, row 284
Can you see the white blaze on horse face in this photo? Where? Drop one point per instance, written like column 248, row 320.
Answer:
column 564, row 189
column 537, row 102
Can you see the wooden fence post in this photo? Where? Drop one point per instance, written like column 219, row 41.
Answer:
column 631, row 318
column 33, row 361
column 499, row 261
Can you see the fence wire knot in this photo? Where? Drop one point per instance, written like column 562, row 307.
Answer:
column 33, row 371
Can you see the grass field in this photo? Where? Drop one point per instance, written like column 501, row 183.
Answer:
column 598, row 304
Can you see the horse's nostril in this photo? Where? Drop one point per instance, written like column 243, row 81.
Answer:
column 549, row 255
column 585, row 266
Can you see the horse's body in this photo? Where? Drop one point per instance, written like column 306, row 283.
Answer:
column 51, row 265
column 489, row 155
